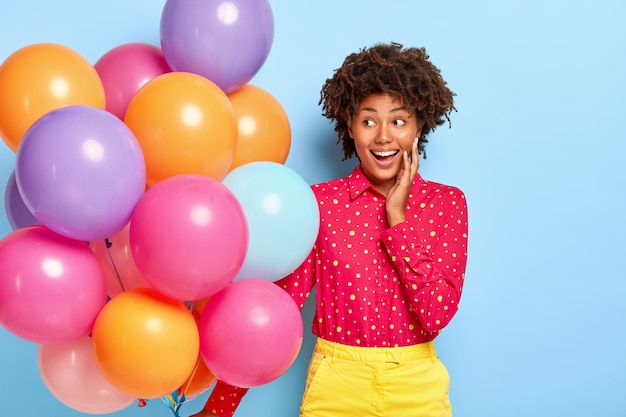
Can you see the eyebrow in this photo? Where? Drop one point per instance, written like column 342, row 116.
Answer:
column 373, row 110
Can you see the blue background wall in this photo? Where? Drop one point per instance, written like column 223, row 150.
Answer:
column 538, row 145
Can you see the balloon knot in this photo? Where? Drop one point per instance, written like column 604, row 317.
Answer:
column 141, row 403
column 108, row 243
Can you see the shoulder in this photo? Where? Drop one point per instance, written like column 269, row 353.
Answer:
column 331, row 188
column 435, row 189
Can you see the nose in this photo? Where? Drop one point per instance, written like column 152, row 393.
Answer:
column 383, row 134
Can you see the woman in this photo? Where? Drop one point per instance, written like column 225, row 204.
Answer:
column 389, row 261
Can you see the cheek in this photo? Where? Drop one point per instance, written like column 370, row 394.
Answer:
column 361, row 150
column 360, row 138
column 358, row 147
column 407, row 142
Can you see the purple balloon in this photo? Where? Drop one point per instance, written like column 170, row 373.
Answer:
column 17, row 213
column 81, row 172
column 226, row 42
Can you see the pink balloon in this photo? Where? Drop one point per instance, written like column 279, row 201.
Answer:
column 120, row 270
column 70, row 372
column 51, row 287
column 250, row 333
column 188, row 236
column 125, row 69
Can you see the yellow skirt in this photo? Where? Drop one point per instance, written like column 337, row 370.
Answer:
column 354, row 381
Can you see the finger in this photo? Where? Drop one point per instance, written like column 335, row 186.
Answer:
column 406, row 166
column 415, row 162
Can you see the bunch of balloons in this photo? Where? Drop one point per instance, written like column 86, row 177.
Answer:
column 152, row 212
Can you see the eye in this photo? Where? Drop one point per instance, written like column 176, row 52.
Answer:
column 368, row 122
column 399, row 122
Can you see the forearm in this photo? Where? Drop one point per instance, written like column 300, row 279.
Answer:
column 433, row 297
column 431, row 272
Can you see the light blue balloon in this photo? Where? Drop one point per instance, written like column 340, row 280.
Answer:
column 282, row 214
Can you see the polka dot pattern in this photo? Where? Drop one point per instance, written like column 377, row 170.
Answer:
column 378, row 286
column 224, row 399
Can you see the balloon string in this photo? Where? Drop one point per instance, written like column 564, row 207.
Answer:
column 193, row 309
column 175, row 403
column 108, row 244
column 169, row 403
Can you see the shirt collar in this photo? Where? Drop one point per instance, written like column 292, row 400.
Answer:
column 358, row 182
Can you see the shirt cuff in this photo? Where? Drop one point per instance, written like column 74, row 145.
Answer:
column 402, row 240
column 224, row 399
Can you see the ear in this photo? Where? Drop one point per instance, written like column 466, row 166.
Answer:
column 418, row 132
column 350, row 130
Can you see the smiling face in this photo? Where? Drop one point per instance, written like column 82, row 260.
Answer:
column 382, row 129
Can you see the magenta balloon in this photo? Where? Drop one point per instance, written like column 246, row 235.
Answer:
column 125, row 69
column 188, row 236
column 226, row 42
column 81, row 172
column 250, row 333
column 51, row 287
column 17, row 212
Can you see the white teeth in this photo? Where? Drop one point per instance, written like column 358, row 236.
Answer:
column 385, row 153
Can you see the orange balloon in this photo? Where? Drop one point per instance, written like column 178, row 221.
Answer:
column 199, row 381
column 120, row 270
column 185, row 124
column 39, row 78
column 263, row 125
column 145, row 344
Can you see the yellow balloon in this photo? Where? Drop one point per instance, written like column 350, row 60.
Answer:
column 185, row 124
column 39, row 78
column 145, row 344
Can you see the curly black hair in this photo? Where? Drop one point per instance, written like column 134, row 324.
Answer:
column 392, row 69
